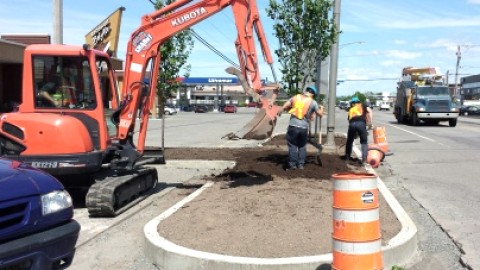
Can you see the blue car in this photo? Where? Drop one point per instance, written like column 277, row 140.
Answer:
column 37, row 229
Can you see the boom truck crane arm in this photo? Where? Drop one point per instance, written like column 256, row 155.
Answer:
column 159, row 26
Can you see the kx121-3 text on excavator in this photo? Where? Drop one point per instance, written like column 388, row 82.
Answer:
column 73, row 123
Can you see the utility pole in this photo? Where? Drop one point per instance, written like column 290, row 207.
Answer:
column 332, row 93
column 321, row 83
column 459, row 56
column 57, row 21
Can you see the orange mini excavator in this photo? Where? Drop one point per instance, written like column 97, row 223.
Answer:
column 73, row 123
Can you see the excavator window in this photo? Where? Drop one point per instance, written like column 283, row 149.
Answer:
column 63, row 82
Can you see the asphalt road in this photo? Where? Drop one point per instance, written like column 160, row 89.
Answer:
column 433, row 172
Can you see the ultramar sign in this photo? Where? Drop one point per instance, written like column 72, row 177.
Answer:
column 188, row 16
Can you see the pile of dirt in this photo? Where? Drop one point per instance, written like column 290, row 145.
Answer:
column 257, row 209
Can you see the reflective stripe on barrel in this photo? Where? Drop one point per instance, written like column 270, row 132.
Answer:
column 357, row 256
column 356, row 193
column 356, row 225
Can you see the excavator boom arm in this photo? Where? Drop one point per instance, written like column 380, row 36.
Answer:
column 158, row 27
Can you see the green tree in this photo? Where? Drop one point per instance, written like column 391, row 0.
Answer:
column 305, row 33
column 174, row 55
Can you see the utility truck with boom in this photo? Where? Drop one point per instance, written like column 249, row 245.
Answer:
column 75, row 125
column 423, row 96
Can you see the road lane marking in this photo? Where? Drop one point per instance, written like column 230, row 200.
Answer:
column 413, row 133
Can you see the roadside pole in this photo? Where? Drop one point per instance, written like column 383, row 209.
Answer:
column 332, row 93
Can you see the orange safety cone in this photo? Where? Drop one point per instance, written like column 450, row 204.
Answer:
column 380, row 139
column 356, row 223
column 375, row 155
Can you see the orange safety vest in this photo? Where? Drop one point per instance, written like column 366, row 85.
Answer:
column 300, row 105
column 355, row 111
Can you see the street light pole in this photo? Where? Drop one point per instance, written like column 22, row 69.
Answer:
column 58, row 21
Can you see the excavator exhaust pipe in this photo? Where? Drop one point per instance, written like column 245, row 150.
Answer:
column 263, row 123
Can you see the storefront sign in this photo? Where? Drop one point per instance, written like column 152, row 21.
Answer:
column 105, row 35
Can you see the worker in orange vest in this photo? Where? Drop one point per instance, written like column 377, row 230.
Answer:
column 302, row 109
column 359, row 117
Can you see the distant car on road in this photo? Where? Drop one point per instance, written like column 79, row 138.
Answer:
column 344, row 105
column 470, row 110
column 201, row 109
column 230, row 109
column 170, row 109
column 384, row 105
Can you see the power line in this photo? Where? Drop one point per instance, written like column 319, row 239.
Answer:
column 213, row 49
column 209, row 46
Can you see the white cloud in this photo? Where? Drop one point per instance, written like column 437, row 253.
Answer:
column 402, row 54
column 475, row 2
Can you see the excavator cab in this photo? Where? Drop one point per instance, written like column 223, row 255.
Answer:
column 63, row 119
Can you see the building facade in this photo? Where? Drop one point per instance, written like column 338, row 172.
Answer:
column 470, row 89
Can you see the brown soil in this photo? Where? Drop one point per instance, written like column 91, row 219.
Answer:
column 257, row 209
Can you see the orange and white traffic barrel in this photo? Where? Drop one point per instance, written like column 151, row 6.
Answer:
column 356, row 222
column 380, row 139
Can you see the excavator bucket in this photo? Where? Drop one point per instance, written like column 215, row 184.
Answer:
column 262, row 125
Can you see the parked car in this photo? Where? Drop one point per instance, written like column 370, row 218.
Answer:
column 230, row 109
column 201, row 109
column 470, row 110
column 252, row 104
column 37, row 229
column 187, row 108
column 170, row 109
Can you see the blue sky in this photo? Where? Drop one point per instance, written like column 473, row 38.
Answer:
column 378, row 38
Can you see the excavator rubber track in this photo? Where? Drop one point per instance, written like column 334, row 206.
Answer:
column 112, row 195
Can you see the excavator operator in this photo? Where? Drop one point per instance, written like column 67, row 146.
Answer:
column 60, row 91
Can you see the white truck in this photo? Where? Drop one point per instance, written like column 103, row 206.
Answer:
column 384, row 105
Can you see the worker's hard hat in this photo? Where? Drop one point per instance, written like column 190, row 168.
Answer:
column 354, row 100
column 312, row 89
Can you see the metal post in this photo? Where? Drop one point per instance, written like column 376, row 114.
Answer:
column 318, row 84
column 459, row 56
column 58, row 21
column 332, row 93
column 217, row 93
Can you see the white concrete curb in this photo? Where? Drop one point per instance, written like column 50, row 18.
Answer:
column 171, row 256
column 168, row 255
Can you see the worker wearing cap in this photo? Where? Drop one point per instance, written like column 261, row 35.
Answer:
column 359, row 116
column 302, row 109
